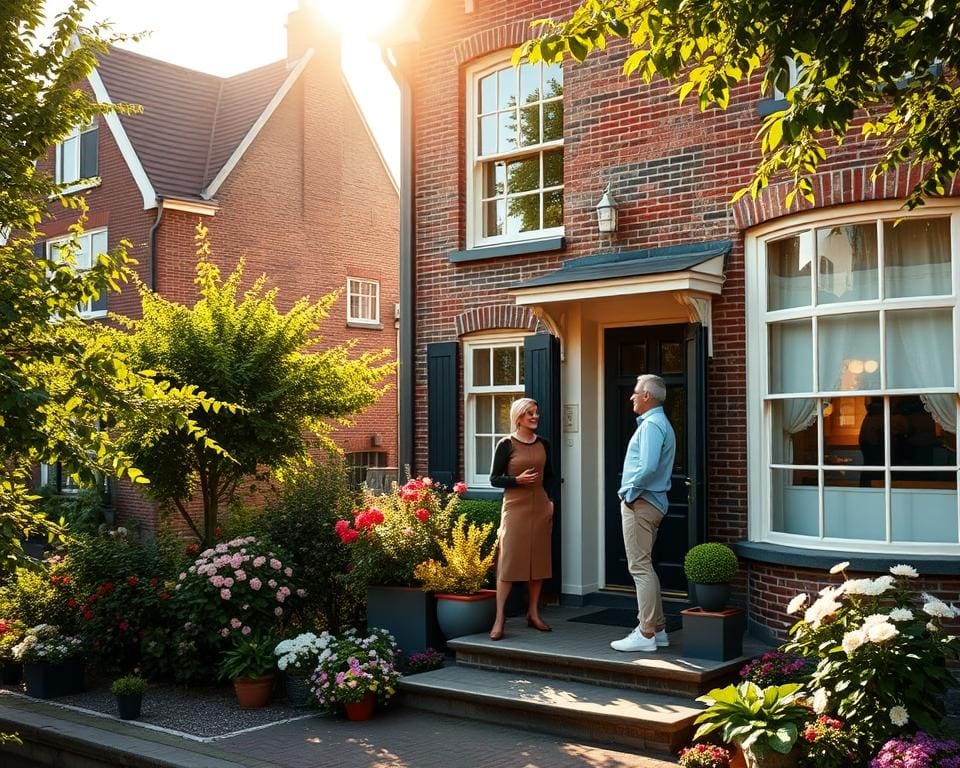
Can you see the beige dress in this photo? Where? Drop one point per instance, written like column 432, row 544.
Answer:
column 526, row 520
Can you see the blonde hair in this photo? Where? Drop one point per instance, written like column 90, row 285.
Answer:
column 519, row 408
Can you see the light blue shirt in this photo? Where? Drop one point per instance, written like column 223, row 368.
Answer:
column 649, row 461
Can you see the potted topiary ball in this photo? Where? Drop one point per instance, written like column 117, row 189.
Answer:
column 710, row 568
column 129, row 693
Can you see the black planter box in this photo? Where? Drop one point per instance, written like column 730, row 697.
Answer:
column 47, row 681
column 715, row 636
column 128, row 705
column 10, row 673
column 409, row 614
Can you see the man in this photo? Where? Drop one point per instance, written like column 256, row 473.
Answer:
column 643, row 503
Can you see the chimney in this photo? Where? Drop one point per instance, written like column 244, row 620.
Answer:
column 307, row 29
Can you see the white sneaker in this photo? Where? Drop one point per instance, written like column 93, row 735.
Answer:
column 634, row 642
column 662, row 640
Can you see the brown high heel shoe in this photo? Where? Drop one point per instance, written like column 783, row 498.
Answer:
column 539, row 625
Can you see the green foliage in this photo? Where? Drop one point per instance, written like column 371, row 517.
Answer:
column 758, row 719
column 710, row 563
column 82, row 511
column 238, row 346
column 128, row 685
column 882, row 654
column 480, row 511
column 249, row 657
column 875, row 58
column 58, row 380
column 300, row 520
column 44, row 595
column 11, row 633
column 464, row 568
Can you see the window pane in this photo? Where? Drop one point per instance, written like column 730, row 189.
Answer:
column 494, row 175
column 508, row 131
column 794, row 431
column 523, row 175
column 494, row 217
column 920, row 348
column 852, row 512
column 553, row 209
column 916, row 257
column 849, row 351
column 99, row 241
column 918, row 439
column 633, row 359
column 671, row 360
column 552, row 80
column 508, row 88
column 484, row 414
column 791, row 356
column 529, row 83
column 924, row 507
column 69, row 160
column 487, row 134
column 522, row 362
column 505, row 366
column 530, row 125
column 487, row 93
column 501, row 414
column 794, row 502
column 553, row 121
column 481, row 367
column 847, row 263
column 484, row 448
column 788, row 275
column 523, row 214
column 553, row 169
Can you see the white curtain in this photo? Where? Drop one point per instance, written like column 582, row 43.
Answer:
column 798, row 415
column 843, row 340
column 916, row 257
column 943, row 408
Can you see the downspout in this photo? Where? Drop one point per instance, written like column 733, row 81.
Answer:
column 153, row 245
column 407, row 343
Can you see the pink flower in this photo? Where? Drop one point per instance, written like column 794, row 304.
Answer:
column 275, row 564
column 301, row 593
column 408, row 531
column 217, row 581
column 427, row 482
column 288, row 572
column 280, row 596
column 255, row 584
column 258, row 561
column 235, row 623
column 224, row 632
column 225, row 593
column 459, row 488
column 272, row 583
column 278, row 611
column 245, row 631
column 228, row 582
column 183, row 576
column 188, row 625
column 240, row 575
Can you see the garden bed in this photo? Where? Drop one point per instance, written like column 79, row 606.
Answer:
column 201, row 713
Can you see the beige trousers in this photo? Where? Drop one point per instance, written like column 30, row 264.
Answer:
column 640, row 525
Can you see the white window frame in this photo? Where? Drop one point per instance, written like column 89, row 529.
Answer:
column 68, row 484
column 759, row 449
column 474, row 170
column 487, row 341
column 71, row 179
column 353, row 286
column 85, row 257
column 793, row 75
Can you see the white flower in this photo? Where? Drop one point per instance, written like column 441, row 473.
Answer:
column 832, row 591
column 904, row 570
column 931, row 627
column 871, row 587
column 880, row 633
column 820, row 701
column 901, row 614
column 797, row 603
column 840, row 567
column 875, row 618
column 899, row 715
column 853, row 640
column 939, row 609
column 820, row 610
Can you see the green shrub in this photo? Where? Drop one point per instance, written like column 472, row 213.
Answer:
column 128, row 685
column 41, row 595
column 83, row 511
column 711, row 563
column 300, row 519
column 480, row 511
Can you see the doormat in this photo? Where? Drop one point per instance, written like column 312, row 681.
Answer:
column 623, row 617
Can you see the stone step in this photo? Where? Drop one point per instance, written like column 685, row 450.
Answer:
column 582, row 652
column 573, row 709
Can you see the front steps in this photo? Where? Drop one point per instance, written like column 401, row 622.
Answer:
column 570, row 682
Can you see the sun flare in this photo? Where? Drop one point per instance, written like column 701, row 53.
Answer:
column 371, row 18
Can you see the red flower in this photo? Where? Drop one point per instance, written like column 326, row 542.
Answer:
column 71, row 603
column 87, row 615
column 345, row 532
column 154, row 581
column 191, row 549
column 4, row 627
column 132, row 581
column 459, row 488
column 164, row 596
column 123, row 626
column 218, row 531
column 422, row 514
column 368, row 518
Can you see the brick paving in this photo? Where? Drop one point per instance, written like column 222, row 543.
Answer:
column 406, row 738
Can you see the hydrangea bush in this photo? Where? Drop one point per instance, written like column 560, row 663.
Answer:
column 918, row 751
column 881, row 653
column 45, row 644
column 352, row 666
column 299, row 655
column 393, row 533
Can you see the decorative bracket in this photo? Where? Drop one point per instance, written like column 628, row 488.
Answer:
column 700, row 310
column 553, row 326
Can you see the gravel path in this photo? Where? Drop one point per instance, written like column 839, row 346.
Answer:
column 204, row 712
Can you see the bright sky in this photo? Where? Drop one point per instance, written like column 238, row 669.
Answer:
column 224, row 37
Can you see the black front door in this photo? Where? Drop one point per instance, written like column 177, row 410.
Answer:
column 668, row 351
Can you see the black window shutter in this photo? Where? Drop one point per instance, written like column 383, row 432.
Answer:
column 89, row 145
column 40, row 250
column 541, row 353
column 442, row 424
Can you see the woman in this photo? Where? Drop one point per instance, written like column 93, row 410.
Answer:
column 521, row 466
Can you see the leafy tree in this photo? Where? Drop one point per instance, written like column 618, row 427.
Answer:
column 60, row 379
column 895, row 60
column 241, row 349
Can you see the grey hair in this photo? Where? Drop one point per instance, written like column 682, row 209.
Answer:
column 520, row 407
column 654, row 385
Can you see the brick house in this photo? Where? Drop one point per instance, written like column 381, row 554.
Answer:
column 280, row 166
column 810, row 356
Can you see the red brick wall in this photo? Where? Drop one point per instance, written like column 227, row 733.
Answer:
column 674, row 170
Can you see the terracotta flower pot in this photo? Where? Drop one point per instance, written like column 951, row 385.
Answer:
column 253, row 692
column 361, row 710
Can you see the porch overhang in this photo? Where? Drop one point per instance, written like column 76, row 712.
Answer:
column 692, row 273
